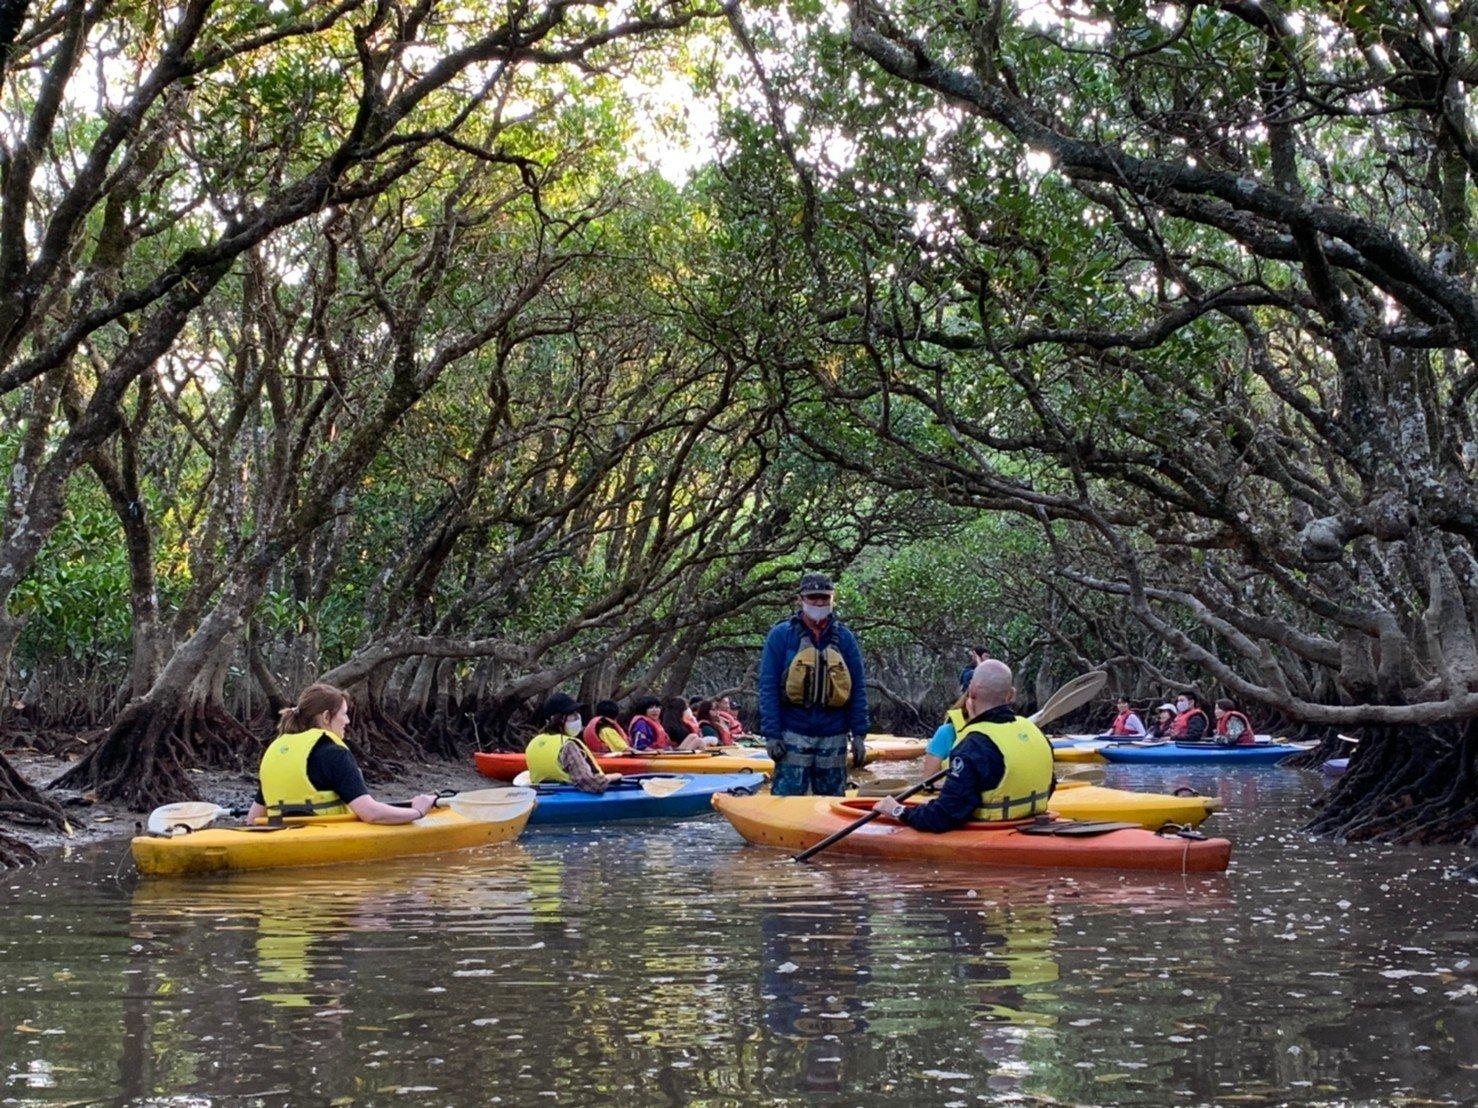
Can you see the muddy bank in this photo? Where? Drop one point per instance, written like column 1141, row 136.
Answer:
column 93, row 821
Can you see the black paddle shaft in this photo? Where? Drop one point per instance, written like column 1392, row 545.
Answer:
column 869, row 817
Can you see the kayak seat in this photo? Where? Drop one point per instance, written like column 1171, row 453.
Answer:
column 866, row 804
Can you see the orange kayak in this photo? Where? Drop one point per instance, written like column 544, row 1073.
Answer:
column 507, row 766
column 796, row 822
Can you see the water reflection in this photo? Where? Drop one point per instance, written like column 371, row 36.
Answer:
column 655, row 964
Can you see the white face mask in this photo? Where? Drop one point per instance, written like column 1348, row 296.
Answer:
column 816, row 612
column 1182, row 705
column 572, row 726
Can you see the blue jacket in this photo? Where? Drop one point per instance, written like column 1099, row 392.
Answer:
column 782, row 644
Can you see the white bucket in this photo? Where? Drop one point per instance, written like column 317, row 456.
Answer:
column 194, row 814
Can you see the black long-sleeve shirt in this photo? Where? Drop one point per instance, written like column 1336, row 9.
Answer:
column 975, row 766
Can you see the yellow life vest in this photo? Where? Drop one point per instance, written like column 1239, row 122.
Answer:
column 1026, row 786
column 543, row 756
column 284, row 776
column 613, row 740
column 818, row 678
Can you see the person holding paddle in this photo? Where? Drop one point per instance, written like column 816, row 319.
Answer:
column 557, row 753
column 812, row 696
column 1001, row 765
column 308, row 770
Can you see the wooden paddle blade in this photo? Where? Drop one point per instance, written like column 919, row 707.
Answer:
column 660, row 787
column 1070, row 697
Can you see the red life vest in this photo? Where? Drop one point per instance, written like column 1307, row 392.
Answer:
column 661, row 742
column 1121, row 723
column 721, row 729
column 591, row 734
column 730, row 721
column 1247, row 738
column 1182, row 725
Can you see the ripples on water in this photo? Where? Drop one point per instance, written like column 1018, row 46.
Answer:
column 672, row 964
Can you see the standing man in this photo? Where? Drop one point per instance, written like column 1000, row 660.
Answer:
column 813, row 696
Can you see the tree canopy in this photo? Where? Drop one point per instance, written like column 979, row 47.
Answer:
column 369, row 340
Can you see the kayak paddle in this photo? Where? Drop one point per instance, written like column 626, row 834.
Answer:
column 656, row 786
column 1070, row 697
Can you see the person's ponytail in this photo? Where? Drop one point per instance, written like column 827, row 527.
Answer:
column 314, row 701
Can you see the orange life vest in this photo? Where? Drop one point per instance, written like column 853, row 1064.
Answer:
column 661, row 742
column 591, row 734
column 1247, row 738
column 1182, row 725
column 1121, row 723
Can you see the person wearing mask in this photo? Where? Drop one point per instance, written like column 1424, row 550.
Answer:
column 604, row 733
column 308, row 769
column 682, row 726
column 1190, row 723
column 1127, row 724
column 645, row 725
column 557, row 754
column 813, row 696
column 1164, row 721
column 1000, row 768
column 1232, row 727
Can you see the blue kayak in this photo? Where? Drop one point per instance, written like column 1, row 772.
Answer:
column 626, row 800
column 1263, row 754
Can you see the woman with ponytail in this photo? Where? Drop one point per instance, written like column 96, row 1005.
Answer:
column 308, row 770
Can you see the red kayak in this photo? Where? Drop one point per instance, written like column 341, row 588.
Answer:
column 507, row 766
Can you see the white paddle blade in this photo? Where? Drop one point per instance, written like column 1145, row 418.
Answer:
column 1070, row 697
column 196, row 815
column 522, row 781
column 660, row 787
column 492, row 805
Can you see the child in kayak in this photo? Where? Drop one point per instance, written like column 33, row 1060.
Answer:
column 711, row 723
column 604, row 733
column 1232, row 727
column 1164, row 721
column 309, row 770
column 1127, row 724
column 556, row 753
column 724, row 710
column 943, row 739
column 682, row 726
column 645, row 725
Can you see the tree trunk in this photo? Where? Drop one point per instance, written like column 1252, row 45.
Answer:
column 22, row 802
column 180, row 723
column 1407, row 785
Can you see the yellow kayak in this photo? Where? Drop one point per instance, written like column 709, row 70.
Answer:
column 892, row 748
column 1082, row 752
column 1080, row 800
column 325, row 840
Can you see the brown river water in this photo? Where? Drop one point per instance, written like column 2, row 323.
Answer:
column 672, row 964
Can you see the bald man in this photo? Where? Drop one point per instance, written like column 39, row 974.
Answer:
column 1000, row 767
